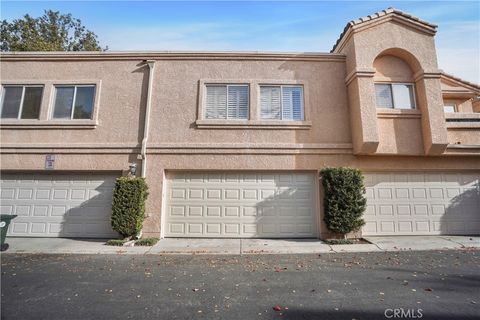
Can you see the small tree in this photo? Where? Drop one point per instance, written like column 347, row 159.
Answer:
column 51, row 32
column 344, row 200
column 128, row 207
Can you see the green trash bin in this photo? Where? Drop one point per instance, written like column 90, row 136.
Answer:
column 4, row 223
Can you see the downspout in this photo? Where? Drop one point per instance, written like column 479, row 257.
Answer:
column 143, row 153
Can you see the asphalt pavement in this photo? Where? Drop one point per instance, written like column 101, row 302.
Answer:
column 437, row 285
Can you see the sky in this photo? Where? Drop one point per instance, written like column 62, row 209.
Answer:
column 292, row 26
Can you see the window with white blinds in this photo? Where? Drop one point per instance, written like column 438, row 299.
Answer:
column 281, row 103
column 229, row 102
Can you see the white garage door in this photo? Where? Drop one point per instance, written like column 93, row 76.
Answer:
column 58, row 205
column 422, row 203
column 241, row 205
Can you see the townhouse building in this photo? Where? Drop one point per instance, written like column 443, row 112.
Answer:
column 231, row 143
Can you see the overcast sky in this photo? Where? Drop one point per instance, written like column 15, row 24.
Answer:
column 311, row 26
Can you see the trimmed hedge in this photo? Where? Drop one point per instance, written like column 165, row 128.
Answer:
column 344, row 200
column 146, row 242
column 128, row 207
column 116, row 242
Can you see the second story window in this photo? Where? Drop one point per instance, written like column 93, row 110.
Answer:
column 21, row 102
column 229, row 102
column 449, row 108
column 281, row 102
column 395, row 95
column 74, row 102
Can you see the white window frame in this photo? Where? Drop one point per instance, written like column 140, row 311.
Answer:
column 302, row 110
column 454, row 105
column 227, row 85
column 391, row 84
column 20, row 108
column 75, row 86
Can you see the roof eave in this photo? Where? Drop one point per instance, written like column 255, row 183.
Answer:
column 470, row 86
column 170, row 55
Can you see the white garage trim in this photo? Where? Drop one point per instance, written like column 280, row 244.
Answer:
column 241, row 204
column 58, row 205
column 422, row 203
column 164, row 205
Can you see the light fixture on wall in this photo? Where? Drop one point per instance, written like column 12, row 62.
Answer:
column 133, row 168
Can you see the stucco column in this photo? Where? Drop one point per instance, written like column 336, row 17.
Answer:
column 363, row 113
column 430, row 102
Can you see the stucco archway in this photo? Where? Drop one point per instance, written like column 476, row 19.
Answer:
column 402, row 54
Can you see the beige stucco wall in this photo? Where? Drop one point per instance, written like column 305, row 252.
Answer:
column 400, row 136
column 464, row 136
column 462, row 104
column 176, row 94
column 392, row 69
column 391, row 50
column 159, row 162
column 166, row 162
column 476, row 105
column 120, row 96
column 175, row 101
column 342, row 127
column 399, row 131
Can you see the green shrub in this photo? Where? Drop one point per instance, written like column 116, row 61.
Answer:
column 116, row 242
column 128, row 207
column 146, row 242
column 338, row 241
column 344, row 199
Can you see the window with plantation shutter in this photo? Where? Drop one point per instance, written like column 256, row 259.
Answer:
column 237, row 102
column 270, row 102
column 281, row 103
column 292, row 101
column 216, row 104
column 229, row 102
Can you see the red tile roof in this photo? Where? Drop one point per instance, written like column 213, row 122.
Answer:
column 377, row 15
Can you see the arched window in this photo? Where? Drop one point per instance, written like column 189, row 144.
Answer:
column 394, row 85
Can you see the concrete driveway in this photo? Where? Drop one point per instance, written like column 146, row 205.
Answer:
column 240, row 246
column 439, row 285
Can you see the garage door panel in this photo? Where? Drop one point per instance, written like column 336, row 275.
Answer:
column 53, row 205
column 7, row 193
column 401, row 193
column 422, row 203
column 43, row 194
column 250, row 194
column 469, row 179
column 473, row 227
column 22, row 211
column 232, row 229
column 234, row 204
column 18, row 228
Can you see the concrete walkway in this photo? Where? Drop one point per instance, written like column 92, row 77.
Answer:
column 399, row 243
column 239, row 246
